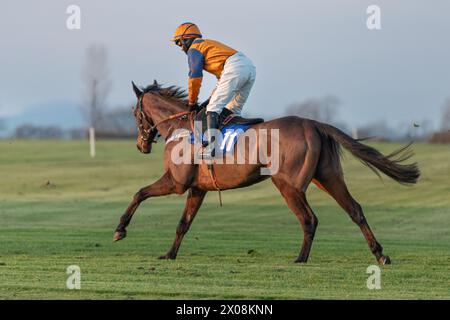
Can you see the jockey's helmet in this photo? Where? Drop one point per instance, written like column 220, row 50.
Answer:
column 185, row 31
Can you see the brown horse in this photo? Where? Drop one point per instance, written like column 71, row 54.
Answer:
column 309, row 151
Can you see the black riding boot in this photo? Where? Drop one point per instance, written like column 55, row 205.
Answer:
column 212, row 120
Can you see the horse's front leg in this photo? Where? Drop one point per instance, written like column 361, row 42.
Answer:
column 193, row 203
column 162, row 187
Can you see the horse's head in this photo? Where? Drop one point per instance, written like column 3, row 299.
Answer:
column 156, row 110
column 147, row 133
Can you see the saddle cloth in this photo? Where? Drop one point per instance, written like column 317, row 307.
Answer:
column 230, row 125
column 230, row 136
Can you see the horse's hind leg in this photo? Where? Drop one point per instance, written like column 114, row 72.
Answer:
column 296, row 200
column 337, row 188
column 193, row 203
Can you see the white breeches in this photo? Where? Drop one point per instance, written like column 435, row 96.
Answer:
column 234, row 85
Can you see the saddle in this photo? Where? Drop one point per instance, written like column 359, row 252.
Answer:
column 226, row 118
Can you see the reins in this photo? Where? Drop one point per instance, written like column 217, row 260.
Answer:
column 180, row 115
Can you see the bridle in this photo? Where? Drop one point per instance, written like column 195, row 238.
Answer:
column 145, row 133
column 153, row 129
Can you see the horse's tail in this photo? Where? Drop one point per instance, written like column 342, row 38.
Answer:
column 391, row 165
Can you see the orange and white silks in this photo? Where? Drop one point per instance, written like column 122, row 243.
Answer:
column 234, row 71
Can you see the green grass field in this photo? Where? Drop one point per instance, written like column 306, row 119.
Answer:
column 58, row 208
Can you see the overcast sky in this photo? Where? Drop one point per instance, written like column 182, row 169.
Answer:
column 301, row 49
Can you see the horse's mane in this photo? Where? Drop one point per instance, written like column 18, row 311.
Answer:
column 172, row 92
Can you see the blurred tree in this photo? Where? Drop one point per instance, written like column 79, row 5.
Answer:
column 97, row 87
column 118, row 123
column 29, row 131
column 445, row 121
column 97, row 83
column 423, row 129
column 444, row 135
column 77, row 133
column 376, row 130
column 322, row 109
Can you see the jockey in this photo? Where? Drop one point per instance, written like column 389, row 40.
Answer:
column 234, row 71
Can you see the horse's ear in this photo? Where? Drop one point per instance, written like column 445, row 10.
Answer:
column 136, row 90
column 155, row 83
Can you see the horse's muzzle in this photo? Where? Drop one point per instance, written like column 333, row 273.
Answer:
column 143, row 150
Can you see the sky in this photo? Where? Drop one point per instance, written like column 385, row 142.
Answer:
column 302, row 49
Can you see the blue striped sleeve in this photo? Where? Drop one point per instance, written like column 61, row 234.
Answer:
column 196, row 61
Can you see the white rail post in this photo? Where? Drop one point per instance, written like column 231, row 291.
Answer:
column 355, row 133
column 92, row 141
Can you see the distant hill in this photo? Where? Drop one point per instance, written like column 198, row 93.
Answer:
column 59, row 113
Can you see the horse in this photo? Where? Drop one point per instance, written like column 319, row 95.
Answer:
column 309, row 152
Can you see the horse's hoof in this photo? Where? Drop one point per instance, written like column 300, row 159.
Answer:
column 300, row 261
column 119, row 235
column 384, row 260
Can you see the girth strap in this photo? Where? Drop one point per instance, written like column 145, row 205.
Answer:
column 212, row 174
